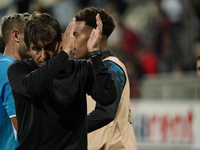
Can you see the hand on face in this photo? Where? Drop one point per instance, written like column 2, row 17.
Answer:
column 67, row 38
column 93, row 43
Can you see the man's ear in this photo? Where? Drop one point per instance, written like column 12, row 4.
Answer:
column 61, row 45
column 15, row 35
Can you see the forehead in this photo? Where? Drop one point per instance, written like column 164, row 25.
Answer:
column 81, row 27
column 39, row 44
column 43, row 44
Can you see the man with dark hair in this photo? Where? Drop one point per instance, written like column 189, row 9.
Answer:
column 50, row 89
column 118, row 134
column 12, row 29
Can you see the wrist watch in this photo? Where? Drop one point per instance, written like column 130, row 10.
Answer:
column 92, row 53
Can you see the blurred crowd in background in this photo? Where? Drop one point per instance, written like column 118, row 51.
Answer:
column 151, row 36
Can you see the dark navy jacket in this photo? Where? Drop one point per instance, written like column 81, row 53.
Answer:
column 51, row 100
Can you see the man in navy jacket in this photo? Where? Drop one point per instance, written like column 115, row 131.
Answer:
column 50, row 89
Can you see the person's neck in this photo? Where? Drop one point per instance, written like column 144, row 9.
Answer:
column 103, row 45
column 103, row 48
column 10, row 50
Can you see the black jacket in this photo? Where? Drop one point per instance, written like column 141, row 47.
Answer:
column 51, row 100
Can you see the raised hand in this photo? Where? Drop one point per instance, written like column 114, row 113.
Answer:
column 67, row 38
column 93, row 43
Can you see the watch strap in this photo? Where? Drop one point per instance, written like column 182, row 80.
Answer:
column 92, row 53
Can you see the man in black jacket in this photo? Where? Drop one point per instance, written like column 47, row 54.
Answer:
column 49, row 89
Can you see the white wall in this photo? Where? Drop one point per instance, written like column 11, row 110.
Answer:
column 166, row 124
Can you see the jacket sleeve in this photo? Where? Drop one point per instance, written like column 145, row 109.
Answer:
column 30, row 83
column 103, row 90
column 103, row 115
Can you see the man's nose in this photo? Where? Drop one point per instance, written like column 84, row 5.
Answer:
column 43, row 54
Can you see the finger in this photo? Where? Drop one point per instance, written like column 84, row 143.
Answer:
column 98, row 17
column 99, row 22
column 92, row 33
column 70, row 26
column 72, row 22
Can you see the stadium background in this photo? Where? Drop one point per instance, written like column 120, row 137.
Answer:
column 158, row 41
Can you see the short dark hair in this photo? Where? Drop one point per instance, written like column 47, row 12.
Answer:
column 88, row 15
column 11, row 22
column 41, row 27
